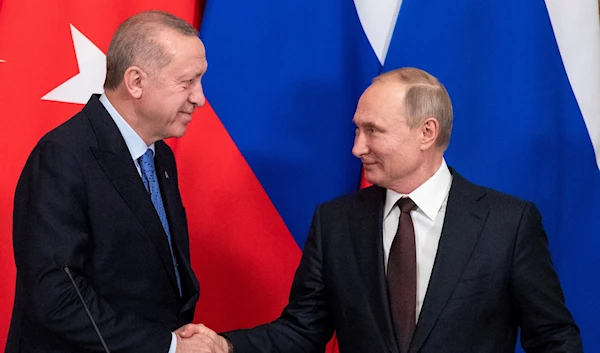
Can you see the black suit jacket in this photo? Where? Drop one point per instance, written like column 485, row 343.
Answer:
column 492, row 274
column 81, row 202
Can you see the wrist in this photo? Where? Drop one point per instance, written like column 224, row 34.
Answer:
column 229, row 344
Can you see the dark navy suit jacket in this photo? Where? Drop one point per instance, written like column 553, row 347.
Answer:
column 81, row 202
column 492, row 274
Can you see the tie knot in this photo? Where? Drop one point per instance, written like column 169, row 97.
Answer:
column 406, row 204
column 147, row 160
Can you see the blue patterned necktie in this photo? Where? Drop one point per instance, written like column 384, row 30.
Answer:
column 151, row 182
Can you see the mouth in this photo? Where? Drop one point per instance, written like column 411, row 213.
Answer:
column 186, row 117
column 188, row 109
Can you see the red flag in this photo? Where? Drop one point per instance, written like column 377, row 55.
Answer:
column 364, row 183
column 42, row 46
column 241, row 250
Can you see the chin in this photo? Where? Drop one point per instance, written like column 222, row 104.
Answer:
column 179, row 133
column 178, row 130
column 372, row 178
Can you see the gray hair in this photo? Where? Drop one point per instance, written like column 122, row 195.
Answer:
column 134, row 43
column 425, row 97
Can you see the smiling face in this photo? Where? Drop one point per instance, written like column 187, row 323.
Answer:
column 169, row 95
column 390, row 150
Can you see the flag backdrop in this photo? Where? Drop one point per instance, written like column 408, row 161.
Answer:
column 275, row 139
column 51, row 57
column 524, row 79
column 284, row 76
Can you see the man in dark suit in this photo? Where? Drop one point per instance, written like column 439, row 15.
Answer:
column 424, row 261
column 99, row 197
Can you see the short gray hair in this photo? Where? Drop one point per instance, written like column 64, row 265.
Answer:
column 134, row 43
column 425, row 97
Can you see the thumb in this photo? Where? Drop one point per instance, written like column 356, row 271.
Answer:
column 187, row 331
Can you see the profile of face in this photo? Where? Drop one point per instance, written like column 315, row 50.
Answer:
column 391, row 152
column 170, row 95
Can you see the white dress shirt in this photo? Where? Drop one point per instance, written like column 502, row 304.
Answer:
column 431, row 199
column 137, row 147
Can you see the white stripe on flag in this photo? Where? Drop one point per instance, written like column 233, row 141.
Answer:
column 378, row 19
column 576, row 26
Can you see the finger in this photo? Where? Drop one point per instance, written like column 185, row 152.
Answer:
column 196, row 343
column 207, row 332
column 202, row 340
column 217, row 341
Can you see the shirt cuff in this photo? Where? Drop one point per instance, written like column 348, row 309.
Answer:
column 173, row 346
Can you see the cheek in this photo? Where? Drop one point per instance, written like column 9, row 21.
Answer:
column 182, row 102
column 386, row 150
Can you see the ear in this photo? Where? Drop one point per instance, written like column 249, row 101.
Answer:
column 430, row 129
column 132, row 80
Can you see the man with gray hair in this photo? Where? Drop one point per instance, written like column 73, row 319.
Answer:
column 98, row 212
column 423, row 261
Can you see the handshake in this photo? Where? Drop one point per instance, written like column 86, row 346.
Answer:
column 198, row 338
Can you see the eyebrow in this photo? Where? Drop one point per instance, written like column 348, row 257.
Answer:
column 186, row 77
column 367, row 125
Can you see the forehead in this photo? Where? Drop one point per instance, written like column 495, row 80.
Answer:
column 381, row 101
column 186, row 52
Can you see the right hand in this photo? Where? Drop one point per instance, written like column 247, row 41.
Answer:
column 200, row 339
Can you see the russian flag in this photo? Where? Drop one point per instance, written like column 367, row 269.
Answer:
column 283, row 81
column 524, row 78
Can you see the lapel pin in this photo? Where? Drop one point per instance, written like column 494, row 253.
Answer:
column 166, row 175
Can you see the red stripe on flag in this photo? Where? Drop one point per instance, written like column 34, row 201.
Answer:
column 242, row 252
column 37, row 47
column 363, row 182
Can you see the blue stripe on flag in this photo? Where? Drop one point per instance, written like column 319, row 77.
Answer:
column 284, row 77
column 518, row 127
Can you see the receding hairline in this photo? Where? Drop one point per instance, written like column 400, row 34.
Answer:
column 138, row 41
column 160, row 19
column 155, row 26
column 408, row 76
column 423, row 96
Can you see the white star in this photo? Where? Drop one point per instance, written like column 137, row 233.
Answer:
column 90, row 79
column 2, row 61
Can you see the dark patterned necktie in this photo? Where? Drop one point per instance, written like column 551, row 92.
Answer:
column 402, row 277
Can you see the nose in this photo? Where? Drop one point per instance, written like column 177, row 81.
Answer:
column 197, row 97
column 360, row 147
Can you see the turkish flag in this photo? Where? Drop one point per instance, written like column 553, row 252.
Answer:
column 49, row 56
column 52, row 59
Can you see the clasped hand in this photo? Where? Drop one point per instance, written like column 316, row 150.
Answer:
column 198, row 338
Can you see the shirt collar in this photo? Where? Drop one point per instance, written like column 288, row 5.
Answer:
column 135, row 144
column 428, row 197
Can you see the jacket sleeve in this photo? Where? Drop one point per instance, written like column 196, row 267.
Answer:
column 546, row 324
column 51, row 229
column 305, row 325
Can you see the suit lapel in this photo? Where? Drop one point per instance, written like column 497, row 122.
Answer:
column 166, row 173
column 366, row 227
column 167, row 180
column 463, row 224
column 114, row 158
